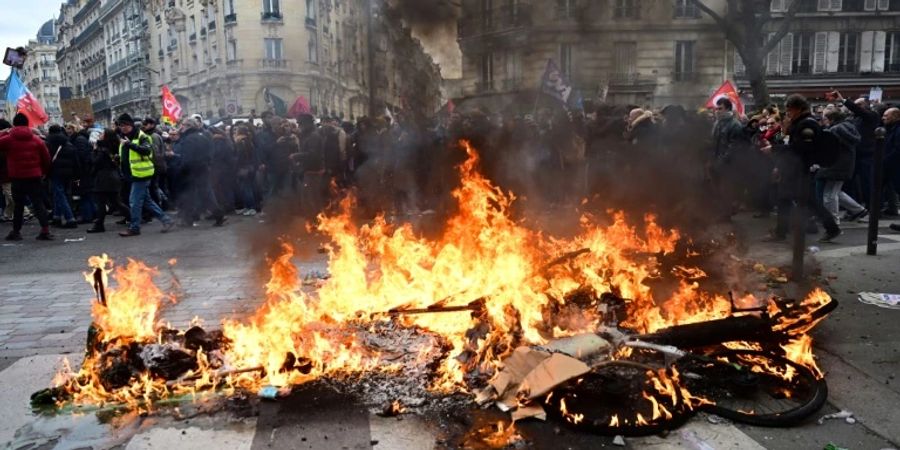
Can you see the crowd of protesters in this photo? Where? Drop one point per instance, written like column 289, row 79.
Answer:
column 766, row 161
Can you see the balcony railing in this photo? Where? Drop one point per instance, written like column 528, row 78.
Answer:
column 274, row 64
column 100, row 105
column 496, row 20
column 271, row 16
column 234, row 66
column 125, row 97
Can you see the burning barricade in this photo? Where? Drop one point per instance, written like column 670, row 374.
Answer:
column 568, row 328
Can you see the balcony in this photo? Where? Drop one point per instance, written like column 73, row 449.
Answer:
column 271, row 16
column 630, row 79
column 125, row 97
column 274, row 65
column 230, row 19
column 234, row 66
column 495, row 21
column 101, row 105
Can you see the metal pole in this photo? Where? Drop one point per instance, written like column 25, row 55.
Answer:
column 801, row 212
column 370, row 5
column 875, row 196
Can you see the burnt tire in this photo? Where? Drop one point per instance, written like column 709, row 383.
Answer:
column 615, row 389
column 733, row 383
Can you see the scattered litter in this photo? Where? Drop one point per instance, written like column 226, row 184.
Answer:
column 81, row 239
column 619, row 440
column 832, row 446
column 842, row 414
column 813, row 249
column 12, row 245
column 890, row 301
column 759, row 268
column 716, row 420
column 394, row 409
column 273, row 392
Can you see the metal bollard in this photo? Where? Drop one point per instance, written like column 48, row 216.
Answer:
column 801, row 213
column 877, row 188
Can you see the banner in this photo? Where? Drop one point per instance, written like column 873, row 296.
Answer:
column 554, row 83
column 275, row 103
column 171, row 111
column 727, row 90
column 26, row 103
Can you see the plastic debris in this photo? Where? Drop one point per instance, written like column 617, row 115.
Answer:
column 842, row 414
column 715, row 420
column 890, row 301
column 619, row 440
column 81, row 239
column 273, row 392
column 813, row 249
column 832, row 446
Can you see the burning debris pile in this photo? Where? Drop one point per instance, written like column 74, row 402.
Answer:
column 492, row 310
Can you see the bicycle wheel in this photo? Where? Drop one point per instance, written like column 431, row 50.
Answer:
column 754, row 387
column 619, row 398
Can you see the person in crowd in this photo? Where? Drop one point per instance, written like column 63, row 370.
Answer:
column 158, row 183
column 136, row 159
column 27, row 162
column 5, row 185
column 796, row 159
column 830, row 180
column 64, row 170
column 222, row 169
column 728, row 138
column 866, row 121
column 248, row 163
column 80, row 138
column 196, row 152
column 891, row 118
column 105, row 179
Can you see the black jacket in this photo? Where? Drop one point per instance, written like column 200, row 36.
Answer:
column 196, row 151
column 82, row 143
column 65, row 163
column 866, row 122
column 842, row 169
column 104, row 170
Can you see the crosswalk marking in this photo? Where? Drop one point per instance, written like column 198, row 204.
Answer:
column 236, row 437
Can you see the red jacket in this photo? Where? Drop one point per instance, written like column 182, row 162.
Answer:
column 26, row 155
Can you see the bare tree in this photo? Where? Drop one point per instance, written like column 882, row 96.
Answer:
column 744, row 23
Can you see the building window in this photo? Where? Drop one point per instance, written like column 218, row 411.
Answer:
column 312, row 49
column 684, row 60
column 273, row 48
column 849, row 53
column 892, row 51
column 514, row 67
column 624, row 60
column 487, row 71
column 271, row 9
column 686, row 9
column 231, row 50
column 830, row 5
column 565, row 59
column 229, row 7
column 565, row 9
column 803, row 48
column 625, row 9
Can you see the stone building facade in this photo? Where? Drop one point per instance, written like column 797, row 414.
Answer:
column 41, row 73
column 82, row 54
column 648, row 52
column 850, row 45
column 232, row 58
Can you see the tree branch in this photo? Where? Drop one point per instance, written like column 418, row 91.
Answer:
column 783, row 27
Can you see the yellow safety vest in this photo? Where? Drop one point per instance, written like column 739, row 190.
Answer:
column 141, row 166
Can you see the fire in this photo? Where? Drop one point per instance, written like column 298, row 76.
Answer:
column 486, row 267
column 800, row 351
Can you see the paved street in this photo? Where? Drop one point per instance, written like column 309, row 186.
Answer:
column 44, row 314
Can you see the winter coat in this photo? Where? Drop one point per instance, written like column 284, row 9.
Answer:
column 866, row 122
column 842, row 169
column 224, row 160
column 26, row 154
column 728, row 133
column 84, row 150
column 104, row 170
column 196, row 151
column 892, row 145
column 66, row 163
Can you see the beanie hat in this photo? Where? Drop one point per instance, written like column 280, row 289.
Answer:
column 125, row 119
column 20, row 120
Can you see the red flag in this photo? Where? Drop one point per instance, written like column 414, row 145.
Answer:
column 31, row 108
column 727, row 90
column 171, row 108
column 299, row 108
column 451, row 106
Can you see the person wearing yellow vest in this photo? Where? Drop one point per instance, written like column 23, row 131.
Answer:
column 136, row 156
